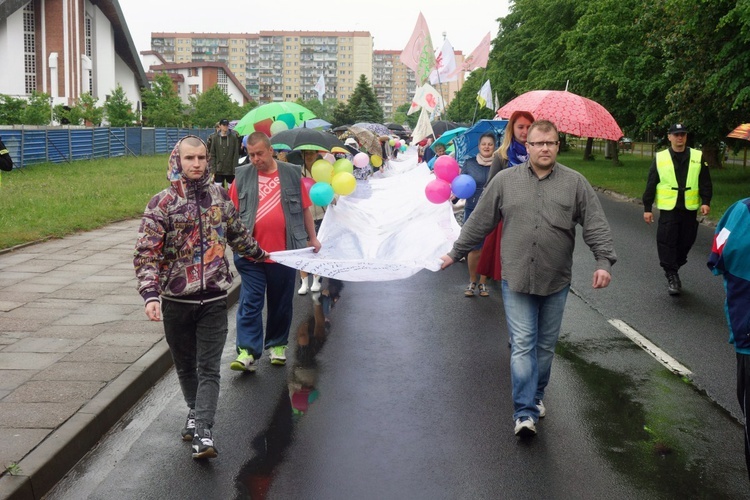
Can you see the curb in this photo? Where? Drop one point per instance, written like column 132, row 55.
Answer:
column 48, row 463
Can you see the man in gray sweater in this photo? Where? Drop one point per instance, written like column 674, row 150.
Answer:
column 540, row 203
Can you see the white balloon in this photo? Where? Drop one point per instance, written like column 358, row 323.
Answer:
column 361, row 160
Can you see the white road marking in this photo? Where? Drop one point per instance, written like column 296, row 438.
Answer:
column 648, row 346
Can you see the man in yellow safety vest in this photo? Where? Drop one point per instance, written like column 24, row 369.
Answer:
column 679, row 184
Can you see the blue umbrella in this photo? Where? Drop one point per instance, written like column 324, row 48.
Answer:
column 467, row 144
column 448, row 136
column 318, row 123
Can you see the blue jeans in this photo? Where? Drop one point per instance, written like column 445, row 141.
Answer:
column 534, row 326
column 260, row 282
column 196, row 335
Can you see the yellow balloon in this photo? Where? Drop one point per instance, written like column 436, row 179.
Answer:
column 376, row 160
column 343, row 183
column 322, row 171
column 342, row 165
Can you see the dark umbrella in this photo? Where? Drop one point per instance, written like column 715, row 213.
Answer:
column 306, row 138
column 440, row 126
column 395, row 127
column 341, row 128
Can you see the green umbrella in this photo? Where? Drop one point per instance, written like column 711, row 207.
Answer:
column 261, row 118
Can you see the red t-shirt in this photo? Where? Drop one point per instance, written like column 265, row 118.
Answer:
column 270, row 223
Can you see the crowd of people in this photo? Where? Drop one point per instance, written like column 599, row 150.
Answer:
column 519, row 228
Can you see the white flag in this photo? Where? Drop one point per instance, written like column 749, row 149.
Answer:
column 484, row 96
column 426, row 97
column 445, row 65
column 423, row 128
column 320, row 88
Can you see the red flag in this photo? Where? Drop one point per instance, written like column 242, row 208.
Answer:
column 478, row 58
column 419, row 56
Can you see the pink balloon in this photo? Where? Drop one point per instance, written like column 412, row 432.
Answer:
column 361, row 160
column 308, row 183
column 438, row 191
column 397, row 144
column 446, row 168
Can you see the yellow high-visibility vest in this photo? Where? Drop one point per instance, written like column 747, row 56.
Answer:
column 667, row 189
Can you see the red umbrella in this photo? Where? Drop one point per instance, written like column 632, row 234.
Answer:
column 571, row 113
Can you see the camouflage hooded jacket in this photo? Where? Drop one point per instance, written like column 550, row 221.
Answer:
column 183, row 234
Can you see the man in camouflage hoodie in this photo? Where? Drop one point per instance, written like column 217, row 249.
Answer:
column 183, row 273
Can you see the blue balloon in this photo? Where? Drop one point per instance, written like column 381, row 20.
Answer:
column 464, row 186
column 321, row 194
column 431, row 162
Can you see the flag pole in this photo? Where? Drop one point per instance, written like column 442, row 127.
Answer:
column 476, row 105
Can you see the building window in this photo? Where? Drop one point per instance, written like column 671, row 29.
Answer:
column 193, row 89
column 88, row 31
column 29, row 48
column 223, row 81
column 192, row 71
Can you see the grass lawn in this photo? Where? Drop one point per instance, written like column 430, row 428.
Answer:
column 56, row 199
column 53, row 200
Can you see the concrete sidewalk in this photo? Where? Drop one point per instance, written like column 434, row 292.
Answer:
column 76, row 352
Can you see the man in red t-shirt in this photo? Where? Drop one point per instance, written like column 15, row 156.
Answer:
column 273, row 203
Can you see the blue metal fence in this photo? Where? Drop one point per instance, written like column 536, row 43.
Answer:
column 28, row 146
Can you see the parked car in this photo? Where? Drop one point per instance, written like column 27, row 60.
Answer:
column 625, row 144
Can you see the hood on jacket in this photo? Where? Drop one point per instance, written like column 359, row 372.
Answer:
column 177, row 177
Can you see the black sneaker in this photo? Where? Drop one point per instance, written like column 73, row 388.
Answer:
column 189, row 430
column 673, row 287
column 203, row 445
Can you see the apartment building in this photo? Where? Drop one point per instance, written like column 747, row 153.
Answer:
column 68, row 48
column 278, row 65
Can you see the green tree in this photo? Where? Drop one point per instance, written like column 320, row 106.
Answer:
column 371, row 109
column 11, row 110
column 38, row 110
column 162, row 106
column 213, row 105
column 323, row 110
column 90, row 112
column 341, row 115
column 67, row 115
column 401, row 117
column 118, row 109
column 705, row 66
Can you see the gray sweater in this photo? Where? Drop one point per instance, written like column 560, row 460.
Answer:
column 539, row 220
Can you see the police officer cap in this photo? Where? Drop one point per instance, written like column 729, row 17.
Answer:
column 678, row 128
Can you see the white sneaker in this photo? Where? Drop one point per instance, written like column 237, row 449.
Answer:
column 525, row 427
column 316, row 284
column 541, row 408
column 303, row 288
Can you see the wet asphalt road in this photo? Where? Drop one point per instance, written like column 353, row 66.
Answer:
column 409, row 397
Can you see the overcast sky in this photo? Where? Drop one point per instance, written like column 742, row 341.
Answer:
column 390, row 22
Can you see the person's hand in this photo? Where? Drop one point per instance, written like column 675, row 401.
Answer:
column 447, row 261
column 153, row 310
column 648, row 217
column 601, row 278
column 705, row 209
column 313, row 242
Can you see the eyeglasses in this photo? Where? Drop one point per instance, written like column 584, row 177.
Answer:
column 541, row 144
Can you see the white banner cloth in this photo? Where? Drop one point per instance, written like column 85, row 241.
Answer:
column 385, row 230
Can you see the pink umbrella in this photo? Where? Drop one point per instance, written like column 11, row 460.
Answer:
column 571, row 113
